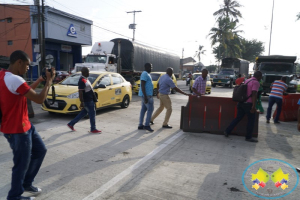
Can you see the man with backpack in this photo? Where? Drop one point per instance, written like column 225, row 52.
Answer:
column 247, row 107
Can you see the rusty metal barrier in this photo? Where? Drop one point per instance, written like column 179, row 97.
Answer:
column 212, row 115
column 289, row 110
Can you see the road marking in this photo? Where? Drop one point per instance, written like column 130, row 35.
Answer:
column 130, row 169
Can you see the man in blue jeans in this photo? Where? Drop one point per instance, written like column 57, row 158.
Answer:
column 247, row 108
column 87, row 101
column 278, row 89
column 27, row 146
column 146, row 94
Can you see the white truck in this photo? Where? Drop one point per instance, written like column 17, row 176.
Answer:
column 100, row 58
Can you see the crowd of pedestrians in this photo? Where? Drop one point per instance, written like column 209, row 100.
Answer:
column 29, row 150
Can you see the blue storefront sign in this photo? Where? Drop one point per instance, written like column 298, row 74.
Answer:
column 72, row 31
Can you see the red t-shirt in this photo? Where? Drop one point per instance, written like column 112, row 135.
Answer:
column 239, row 81
column 13, row 103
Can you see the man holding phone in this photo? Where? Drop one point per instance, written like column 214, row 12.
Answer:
column 27, row 146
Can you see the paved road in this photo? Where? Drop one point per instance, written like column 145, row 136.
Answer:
column 126, row 163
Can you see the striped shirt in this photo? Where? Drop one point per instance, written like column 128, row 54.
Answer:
column 278, row 88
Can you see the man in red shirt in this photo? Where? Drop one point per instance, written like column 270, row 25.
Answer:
column 239, row 80
column 27, row 146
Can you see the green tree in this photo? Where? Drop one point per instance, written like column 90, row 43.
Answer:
column 227, row 36
column 199, row 52
column 229, row 9
column 298, row 68
column 252, row 49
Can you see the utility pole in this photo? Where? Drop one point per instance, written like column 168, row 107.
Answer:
column 132, row 26
column 271, row 29
column 43, row 54
column 37, row 3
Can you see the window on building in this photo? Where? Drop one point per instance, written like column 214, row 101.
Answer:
column 34, row 19
column 9, row 42
column 9, row 20
column 82, row 28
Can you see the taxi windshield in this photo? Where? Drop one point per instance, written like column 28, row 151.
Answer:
column 73, row 79
column 154, row 76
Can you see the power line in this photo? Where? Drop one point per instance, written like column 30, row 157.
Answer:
column 97, row 26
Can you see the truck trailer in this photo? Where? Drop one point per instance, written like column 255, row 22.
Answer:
column 132, row 58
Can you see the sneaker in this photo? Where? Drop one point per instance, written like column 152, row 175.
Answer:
column 268, row 121
column 251, row 140
column 148, row 128
column 298, row 169
column 276, row 122
column 226, row 134
column 141, row 127
column 167, row 126
column 151, row 123
column 26, row 198
column 95, row 131
column 33, row 190
column 71, row 127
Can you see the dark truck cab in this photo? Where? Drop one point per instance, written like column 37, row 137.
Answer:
column 273, row 68
column 229, row 71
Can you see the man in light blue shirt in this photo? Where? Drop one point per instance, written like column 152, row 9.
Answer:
column 146, row 94
column 164, row 86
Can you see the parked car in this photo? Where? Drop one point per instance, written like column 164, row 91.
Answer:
column 110, row 88
column 208, row 82
column 155, row 78
column 60, row 75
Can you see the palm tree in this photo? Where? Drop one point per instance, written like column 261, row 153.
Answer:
column 224, row 33
column 199, row 52
column 229, row 8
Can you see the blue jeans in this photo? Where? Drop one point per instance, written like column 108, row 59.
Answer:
column 28, row 154
column 89, row 108
column 243, row 109
column 273, row 100
column 149, row 107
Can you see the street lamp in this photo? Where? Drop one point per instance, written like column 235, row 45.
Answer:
column 271, row 28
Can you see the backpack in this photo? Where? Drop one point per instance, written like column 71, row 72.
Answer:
column 240, row 92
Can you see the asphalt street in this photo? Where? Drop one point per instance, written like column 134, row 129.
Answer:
column 124, row 163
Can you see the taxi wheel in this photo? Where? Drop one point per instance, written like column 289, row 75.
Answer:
column 214, row 85
column 125, row 102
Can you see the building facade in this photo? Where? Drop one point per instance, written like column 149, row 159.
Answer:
column 65, row 34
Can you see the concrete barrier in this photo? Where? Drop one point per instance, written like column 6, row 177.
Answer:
column 289, row 110
column 212, row 115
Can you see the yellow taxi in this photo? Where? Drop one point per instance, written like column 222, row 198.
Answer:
column 110, row 88
column 208, row 82
column 155, row 78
